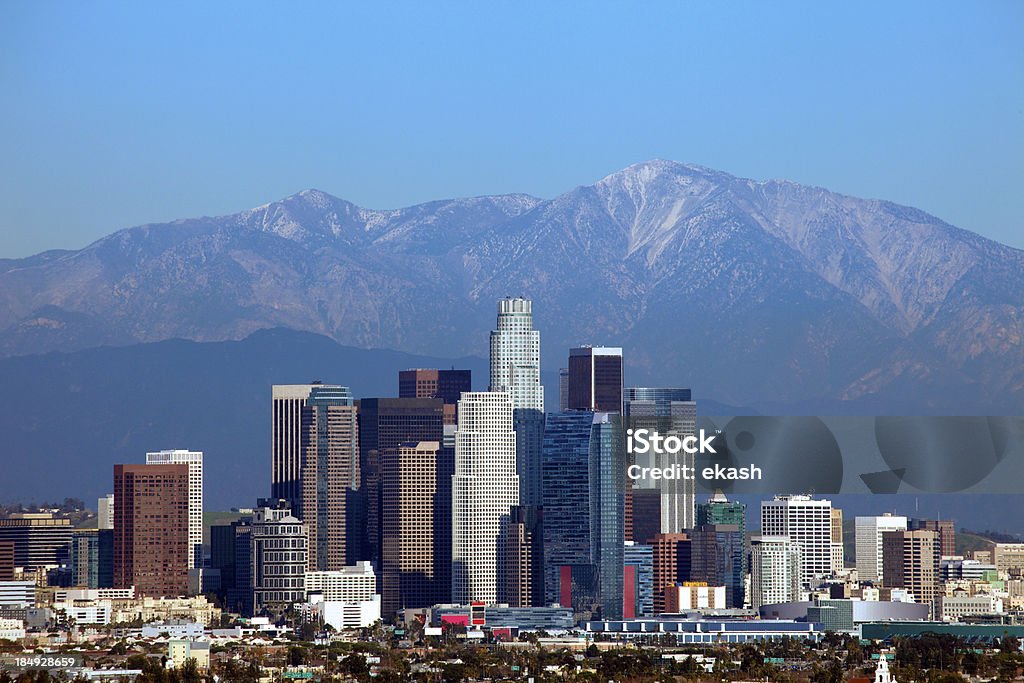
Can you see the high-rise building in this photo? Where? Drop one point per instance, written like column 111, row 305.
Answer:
column 774, row 570
column 568, row 569
column 719, row 558
column 288, row 404
column 194, row 460
column 385, row 424
column 105, row 559
column 563, row 389
column 720, row 510
column 1009, row 558
column 485, row 486
column 838, row 550
column 6, row 560
column 416, row 550
column 85, row 558
column 231, row 555
column 524, row 559
column 447, row 385
column 278, row 551
column 515, row 369
column 946, row 530
column 868, row 543
column 670, row 563
column 646, row 514
column 910, row 561
column 808, row 523
column 595, row 379
column 105, row 511
column 638, row 581
column 40, row 540
column 667, row 410
column 607, row 497
column 151, row 541
column 332, row 504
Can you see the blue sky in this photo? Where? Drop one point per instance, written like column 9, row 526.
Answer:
column 115, row 114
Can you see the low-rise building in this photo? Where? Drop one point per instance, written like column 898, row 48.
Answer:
column 959, row 605
column 12, row 629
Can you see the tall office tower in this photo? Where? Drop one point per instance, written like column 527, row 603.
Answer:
column 720, row 510
column 868, row 543
column 105, row 559
column 416, row 550
column 838, row 551
column 40, row 540
column 946, row 530
column 384, row 425
column 595, row 379
column 524, row 559
column 6, row 560
column 568, row 569
column 515, row 368
column 638, row 581
column 719, row 557
column 333, row 507
column 909, row 560
column 278, row 551
column 563, row 389
column 646, row 505
column 447, row 385
column 607, row 498
column 669, row 411
column 808, row 523
column 230, row 555
column 85, row 558
column 672, row 555
column 105, row 511
column 194, row 460
column 485, row 486
column 288, row 403
column 151, row 540
column 774, row 570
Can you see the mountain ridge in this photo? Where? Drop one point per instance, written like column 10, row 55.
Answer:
column 747, row 288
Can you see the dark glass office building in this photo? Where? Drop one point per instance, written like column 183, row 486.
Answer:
column 595, row 379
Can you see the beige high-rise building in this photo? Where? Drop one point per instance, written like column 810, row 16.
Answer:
column 415, row 540
column 909, row 561
column 838, row 552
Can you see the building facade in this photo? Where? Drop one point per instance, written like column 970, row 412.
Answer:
column 607, row 500
column 774, row 570
column 515, row 369
column 151, row 540
column 868, row 543
column 595, row 379
column 808, row 523
column 485, row 486
column 194, row 460
column 279, row 549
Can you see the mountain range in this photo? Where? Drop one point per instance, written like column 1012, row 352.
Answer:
column 769, row 294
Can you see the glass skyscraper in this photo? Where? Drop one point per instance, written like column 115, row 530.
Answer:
column 607, row 514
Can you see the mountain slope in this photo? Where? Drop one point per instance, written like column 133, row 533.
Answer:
column 750, row 291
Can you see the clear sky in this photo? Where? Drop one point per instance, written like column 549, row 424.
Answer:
column 116, row 114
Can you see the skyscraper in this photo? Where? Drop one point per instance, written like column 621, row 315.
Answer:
column 638, row 581
column 719, row 558
column 607, row 493
column 672, row 555
column 945, row 528
column 515, row 368
column 40, row 540
column 808, row 523
column 720, row 510
column 194, row 460
column 568, row 570
column 333, row 507
column 384, row 424
column 838, row 550
column 868, row 544
column 105, row 511
column 485, row 486
column 910, row 561
column 774, row 570
column 447, row 385
column 416, row 550
column 524, row 556
column 315, row 468
column 595, row 379
column 563, row 389
column 669, row 410
column 151, row 540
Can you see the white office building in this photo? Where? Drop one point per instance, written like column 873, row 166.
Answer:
column 194, row 460
column 351, row 584
column 484, row 488
column 808, row 524
column 868, row 543
column 774, row 570
column 515, row 368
